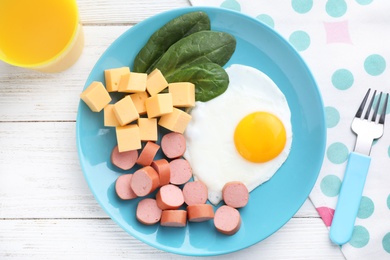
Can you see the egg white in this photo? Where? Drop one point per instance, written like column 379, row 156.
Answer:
column 210, row 143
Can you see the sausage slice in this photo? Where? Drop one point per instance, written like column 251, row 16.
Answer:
column 174, row 218
column 181, row 171
column 147, row 155
column 163, row 169
column 235, row 194
column 200, row 212
column 173, row 145
column 227, row 220
column 148, row 212
column 123, row 188
column 195, row 192
column 124, row 160
column 145, row 181
column 169, row 197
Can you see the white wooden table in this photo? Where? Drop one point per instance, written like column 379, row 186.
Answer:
column 46, row 208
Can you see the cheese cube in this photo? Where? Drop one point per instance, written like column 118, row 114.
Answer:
column 148, row 129
column 155, row 82
column 183, row 94
column 125, row 111
column 113, row 77
column 128, row 138
column 176, row 121
column 96, row 96
column 158, row 105
column 110, row 117
column 139, row 101
column 132, row 82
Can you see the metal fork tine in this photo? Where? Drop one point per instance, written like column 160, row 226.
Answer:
column 383, row 113
column 361, row 108
column 370, row 106
column 376, row 108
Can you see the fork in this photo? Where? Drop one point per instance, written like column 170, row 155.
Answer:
column 368, row 127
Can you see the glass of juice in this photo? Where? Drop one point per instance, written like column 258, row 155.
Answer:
column 44, row 35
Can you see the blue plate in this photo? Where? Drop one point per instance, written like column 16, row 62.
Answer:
column 272, row 204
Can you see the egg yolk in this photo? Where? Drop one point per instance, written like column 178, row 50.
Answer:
column 260, row 137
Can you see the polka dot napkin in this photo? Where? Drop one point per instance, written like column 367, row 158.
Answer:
column 346, row 43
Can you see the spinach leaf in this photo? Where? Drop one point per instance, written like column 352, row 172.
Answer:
column 167, row 35
column 197, row 48
column 210, row 79
column 185, row 49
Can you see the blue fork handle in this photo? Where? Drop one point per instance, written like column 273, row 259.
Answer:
column 349, row 198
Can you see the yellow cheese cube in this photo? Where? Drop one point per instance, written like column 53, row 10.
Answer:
column 132, row 82
column 183, row 94
column 113, row 77
column 110, row 117
column 96, row 96
column 148, row 129
column 139, row 101
column 158, row 105
column 128, row 137
column 125, row 111
column 176, row 121
column 155, row 82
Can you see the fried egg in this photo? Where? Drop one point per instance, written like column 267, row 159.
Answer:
column 242, row 135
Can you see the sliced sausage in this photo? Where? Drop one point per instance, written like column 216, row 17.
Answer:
column 163, row 169
column 174, row 218
column 169, row 197
column 195, row 192
column 148, row 212
column 181, row 171
column 124, row 160
column 123, row 188
column 235, row 194
column 147, row 155
column 227, row 220
column 173, row 145
column 145, row 181
column 200, row 212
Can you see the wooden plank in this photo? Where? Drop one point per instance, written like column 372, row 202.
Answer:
column 103, row 239
column 124, row 11
column 40, row 175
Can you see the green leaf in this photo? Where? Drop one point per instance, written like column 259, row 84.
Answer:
column 167, row 35
column 210, row 79
column 199, row 47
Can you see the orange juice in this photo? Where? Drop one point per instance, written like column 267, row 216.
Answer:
column 35, row 33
